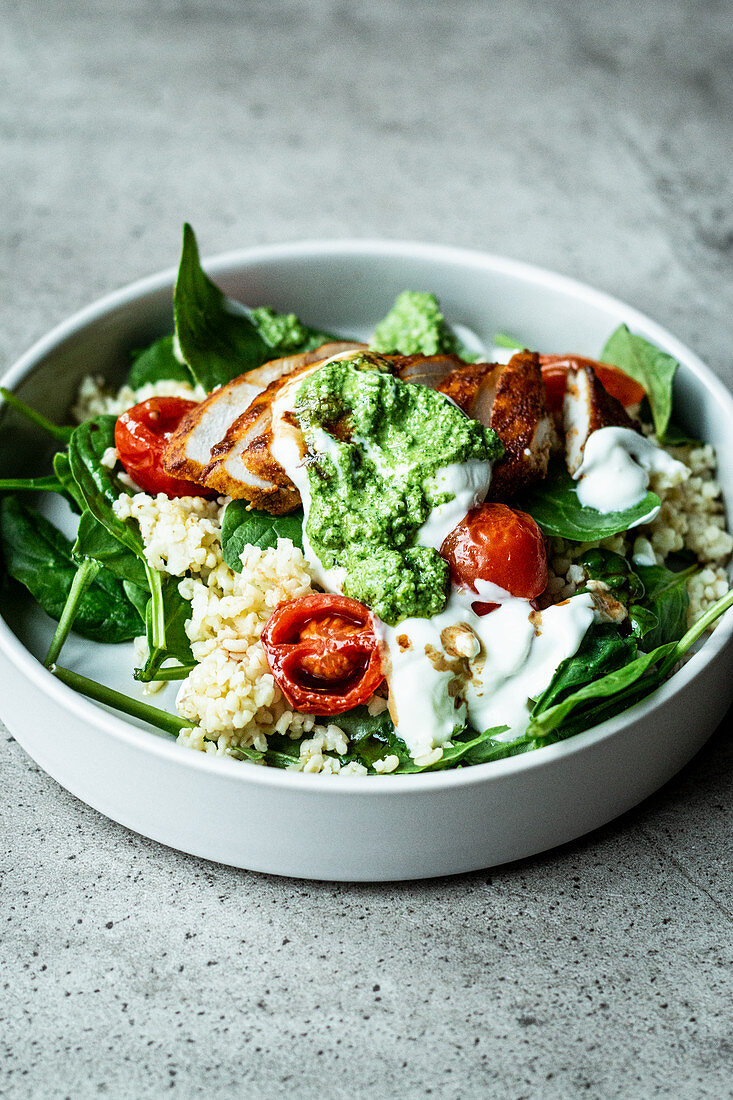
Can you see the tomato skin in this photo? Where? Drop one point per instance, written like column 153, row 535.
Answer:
column 555, row 368
column 323, row 653
column 141, row 436
column 499, row 544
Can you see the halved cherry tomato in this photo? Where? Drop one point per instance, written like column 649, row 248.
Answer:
column 555, row 367
column 499, row 544
column 323, row 653
column 141, row 436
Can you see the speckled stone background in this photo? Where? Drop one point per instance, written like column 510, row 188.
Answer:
column 594, row 139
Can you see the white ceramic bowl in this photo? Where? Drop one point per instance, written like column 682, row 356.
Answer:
column 360, row 828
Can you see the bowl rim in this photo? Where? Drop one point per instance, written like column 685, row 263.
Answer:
column 375, row 785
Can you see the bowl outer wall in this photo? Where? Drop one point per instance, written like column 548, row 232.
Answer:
column 373, row 828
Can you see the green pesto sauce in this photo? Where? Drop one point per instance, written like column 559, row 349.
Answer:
column 284, row 332
column 415, row 326
column 374, row 443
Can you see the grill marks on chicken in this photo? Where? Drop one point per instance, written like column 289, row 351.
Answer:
column 512, row 402
column 226, row 442
column 191, row 449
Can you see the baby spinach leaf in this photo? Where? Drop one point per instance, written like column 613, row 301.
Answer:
column 100, row 488
column 38, row 556
column 554, row 505
column 62, row 470
column 98, row 484
column 216, row 336
column 93, row 540
column 157, row 363
column 602, row 650
column 246, row 526
column 652, row 368
column 612, row 684
column 667, row 598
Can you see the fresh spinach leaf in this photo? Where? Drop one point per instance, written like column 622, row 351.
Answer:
column 612, row 684
column 62, row 470
column 554, row 505
column 602, row 650
column 100, row 487
column 652, row 368
column 667, row 598
column 216, row 336
column 246, row 526
column 93, row 540
column 40, row 557
column 98, row 484
column 157, row 363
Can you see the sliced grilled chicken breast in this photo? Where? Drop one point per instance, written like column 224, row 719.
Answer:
column 511, row 400
column 278, row 368
column 425, row 370
column 242, row 464
column 462, row 385
column 587, row 406
column 189, row 450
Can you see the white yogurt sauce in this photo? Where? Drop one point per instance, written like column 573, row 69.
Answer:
column 614, row 473
column 509, row 656
column 457, row 667
column 469, row 484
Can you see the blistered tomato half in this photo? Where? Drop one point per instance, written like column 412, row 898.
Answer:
column 323, row 653
column 141, row 436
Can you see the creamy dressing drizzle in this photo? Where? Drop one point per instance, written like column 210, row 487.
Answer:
column 469, row 484
column 459, row 667
column 614, row 473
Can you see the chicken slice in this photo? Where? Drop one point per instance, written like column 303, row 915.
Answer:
column 462, row 385
column 587, row 406
column 425, row 370
column 189, row 450
column 277, row 368
column 511, row 400
column 242, row 464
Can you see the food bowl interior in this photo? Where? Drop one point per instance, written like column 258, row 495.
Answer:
column 346, row 287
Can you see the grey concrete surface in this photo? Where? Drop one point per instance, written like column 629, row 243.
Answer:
column 594, row 139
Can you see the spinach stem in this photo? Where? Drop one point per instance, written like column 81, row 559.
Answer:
column 58, row 431
column 83, row 577
column 157, row 609
column 49, row 484
column 162, row 719
column 175, row 672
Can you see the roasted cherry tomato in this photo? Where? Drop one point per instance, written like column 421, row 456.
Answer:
column 498, row 544
column 141, row 436
column 323, row 653
column 555, row 367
